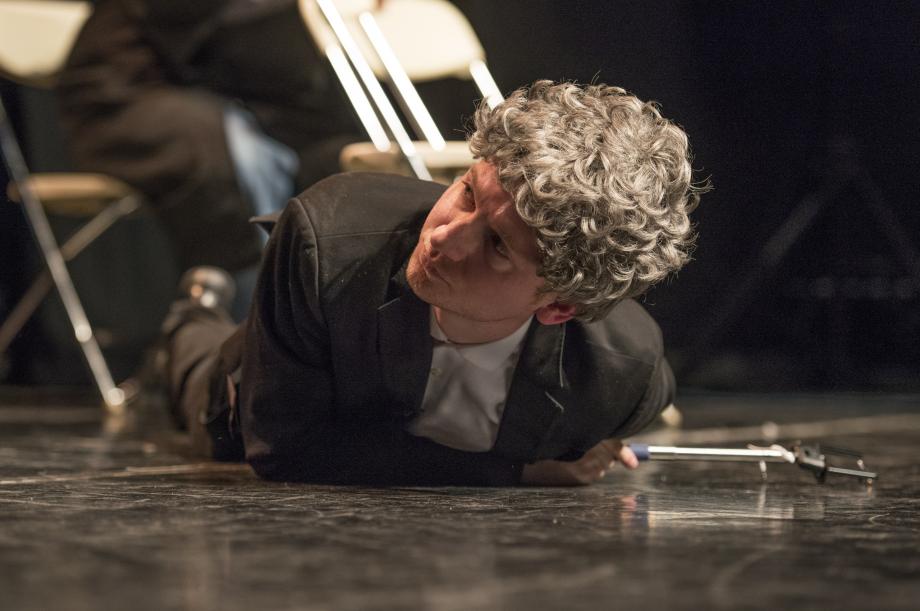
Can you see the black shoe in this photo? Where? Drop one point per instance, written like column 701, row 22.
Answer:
column 203, row 291
column 209, row 287
column 203, row 287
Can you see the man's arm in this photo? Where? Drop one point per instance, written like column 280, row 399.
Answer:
column 658, row 395
column 290, row 425
column 595, row 463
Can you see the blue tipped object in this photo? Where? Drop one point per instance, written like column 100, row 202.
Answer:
column 640, row 450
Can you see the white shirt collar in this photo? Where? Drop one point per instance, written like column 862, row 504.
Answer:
column 488, row 355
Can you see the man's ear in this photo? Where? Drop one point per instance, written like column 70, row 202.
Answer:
column 555, row 313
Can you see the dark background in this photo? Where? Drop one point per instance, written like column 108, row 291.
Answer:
column 784, row 103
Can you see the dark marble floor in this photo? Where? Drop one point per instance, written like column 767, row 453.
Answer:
column 112, row 515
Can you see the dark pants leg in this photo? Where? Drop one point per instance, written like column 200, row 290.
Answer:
column 195, row 368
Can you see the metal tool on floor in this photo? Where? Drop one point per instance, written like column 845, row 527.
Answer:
column 811, row 457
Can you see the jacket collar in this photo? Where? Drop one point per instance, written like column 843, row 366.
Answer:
column 266, row 221
column 538, row 390
column 404, row 343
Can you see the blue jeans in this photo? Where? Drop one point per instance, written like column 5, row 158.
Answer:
column 265, row 170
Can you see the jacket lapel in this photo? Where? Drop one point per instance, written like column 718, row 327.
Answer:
column 405, row 346
column 534, row 402
column 538, row 389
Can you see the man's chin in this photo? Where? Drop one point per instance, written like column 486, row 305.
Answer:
column 419, row 282
column 424, row 288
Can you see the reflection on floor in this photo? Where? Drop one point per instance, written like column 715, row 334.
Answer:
column 107, row 515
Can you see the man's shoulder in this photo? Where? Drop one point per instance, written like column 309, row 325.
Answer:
column 627, row 329
column 364, row 202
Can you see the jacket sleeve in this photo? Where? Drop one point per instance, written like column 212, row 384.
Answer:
column 290, row 425
column 659, row 393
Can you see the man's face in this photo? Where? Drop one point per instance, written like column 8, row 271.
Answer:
column 476, row 260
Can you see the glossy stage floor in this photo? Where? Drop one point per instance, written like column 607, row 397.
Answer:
column 98, row 514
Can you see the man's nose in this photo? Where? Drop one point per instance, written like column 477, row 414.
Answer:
column 455, row 240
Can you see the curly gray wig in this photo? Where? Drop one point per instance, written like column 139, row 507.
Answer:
column 603, row 179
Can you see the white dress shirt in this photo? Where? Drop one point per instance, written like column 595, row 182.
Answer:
column 466, row 391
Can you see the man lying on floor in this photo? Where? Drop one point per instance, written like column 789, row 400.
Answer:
column 482, row 334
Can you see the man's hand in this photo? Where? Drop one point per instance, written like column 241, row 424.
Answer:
column 586, row 470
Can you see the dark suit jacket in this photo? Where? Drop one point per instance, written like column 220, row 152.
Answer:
column 337, row 353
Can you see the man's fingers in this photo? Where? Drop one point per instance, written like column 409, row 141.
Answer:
column 595, row 464
column 627, row 457
column 611, row 449
column 616, row 451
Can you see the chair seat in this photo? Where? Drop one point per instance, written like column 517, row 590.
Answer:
column 68, row 194
column 444, row 165
column 37, row 37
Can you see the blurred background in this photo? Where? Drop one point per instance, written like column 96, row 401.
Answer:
column 802, row 114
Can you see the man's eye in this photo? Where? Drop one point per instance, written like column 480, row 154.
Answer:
column 468, row 201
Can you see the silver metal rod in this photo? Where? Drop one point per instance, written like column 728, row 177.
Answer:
column 404, row 89
column 113, row 396
column 378, row 95
column 486, row 84
column 720, row 454
column 853, row 472
column 74, row 245
column 358, row 99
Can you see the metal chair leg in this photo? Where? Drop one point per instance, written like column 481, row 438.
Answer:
column 86, row 235
column 113, row 396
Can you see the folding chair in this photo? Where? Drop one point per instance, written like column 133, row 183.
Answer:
column 404, row 42
column 35, row 40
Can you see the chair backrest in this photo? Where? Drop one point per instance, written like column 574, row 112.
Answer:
column 402, row 42
column 432, row 39
column 36, row 37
